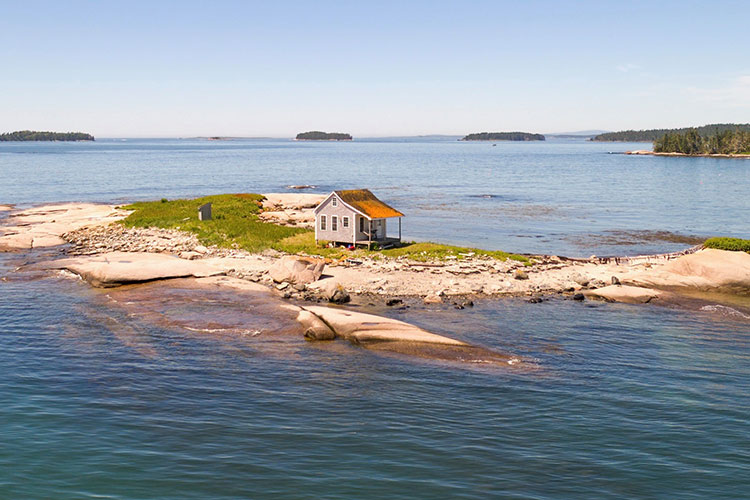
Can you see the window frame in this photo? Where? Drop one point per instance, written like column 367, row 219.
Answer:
column 334, row 223
column 323, row 223
column 345, row 221
column 361, row 224
column 334, row 202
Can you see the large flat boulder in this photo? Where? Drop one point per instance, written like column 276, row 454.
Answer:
column 707, row 270
column 624, row 293
column 361, row 327
column 119, row 268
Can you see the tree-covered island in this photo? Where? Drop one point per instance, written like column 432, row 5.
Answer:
column 651, row 135
column 692, row 142
column 317, row 135
column 32, row 135
column 503, row 136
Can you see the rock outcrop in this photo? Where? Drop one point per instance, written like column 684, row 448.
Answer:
column 707, row 270
column 119, row 268
column 44, row 226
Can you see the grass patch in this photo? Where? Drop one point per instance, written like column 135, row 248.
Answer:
column 731, row 244
column 236, row 224
column 235, row 221
column 436, row 251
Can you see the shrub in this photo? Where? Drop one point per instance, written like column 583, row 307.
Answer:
column 731, row 244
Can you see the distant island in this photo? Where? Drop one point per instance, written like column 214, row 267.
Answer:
column 32, row 135
column 651, row 135
column 693, row 143
column 503, row 136
column 317, row 135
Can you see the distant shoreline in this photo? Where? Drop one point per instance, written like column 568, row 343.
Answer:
column 643, row 152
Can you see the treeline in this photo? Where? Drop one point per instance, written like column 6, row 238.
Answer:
column 317, row 135
column 657, row 133
column 691, row 142
column 503, row 136
column 31, row 135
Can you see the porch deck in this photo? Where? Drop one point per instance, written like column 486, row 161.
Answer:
column 382, row 242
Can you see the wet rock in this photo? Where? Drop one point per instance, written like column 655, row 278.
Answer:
column 333, row 291
column 579, row 296
column 615, row 280
column 624, row 293
column 535, row 300
column 340, row 296
column 393, row 302
column 432, row 299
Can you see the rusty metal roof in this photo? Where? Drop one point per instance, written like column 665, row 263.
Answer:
column 366, row 202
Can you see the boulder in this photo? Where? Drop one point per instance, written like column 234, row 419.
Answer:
column 315, row 328
column 623, row 293
column 361, row 327
column 520, row 274
column 296, row 270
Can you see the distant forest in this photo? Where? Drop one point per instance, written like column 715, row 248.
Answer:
column 692, row 142
column 316, row 135
column 31, row 135
column 654, row 134
column 503, row 136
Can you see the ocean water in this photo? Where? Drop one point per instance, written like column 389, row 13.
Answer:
column 569, row 197
column 97, row 401
column 148, row 392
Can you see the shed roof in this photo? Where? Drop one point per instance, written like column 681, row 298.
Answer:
column 366, row 203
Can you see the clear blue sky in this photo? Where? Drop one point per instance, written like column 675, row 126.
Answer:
column 167, row 69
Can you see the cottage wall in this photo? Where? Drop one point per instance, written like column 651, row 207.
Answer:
column 342, row 235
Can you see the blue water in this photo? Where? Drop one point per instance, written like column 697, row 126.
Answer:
column 626, row 402
column 142, row 393
column 557, row 197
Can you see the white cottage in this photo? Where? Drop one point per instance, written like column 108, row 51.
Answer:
column 354, row 217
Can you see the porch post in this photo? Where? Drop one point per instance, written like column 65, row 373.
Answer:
column 369, row 234
column 399, row 229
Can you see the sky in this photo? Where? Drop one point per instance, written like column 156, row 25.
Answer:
column 273, row 69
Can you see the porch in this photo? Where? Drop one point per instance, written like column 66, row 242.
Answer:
column 382, row 242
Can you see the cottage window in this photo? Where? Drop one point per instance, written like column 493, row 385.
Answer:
column 361, row 224
column 322, row 222
column 334, row 223
column 335, row 202
column 345, row 221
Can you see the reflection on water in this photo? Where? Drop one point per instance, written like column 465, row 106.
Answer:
column 126, row 400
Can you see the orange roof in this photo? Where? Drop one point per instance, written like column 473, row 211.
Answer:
column 366, row 202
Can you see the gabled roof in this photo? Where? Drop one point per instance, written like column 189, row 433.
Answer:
column 366, row 203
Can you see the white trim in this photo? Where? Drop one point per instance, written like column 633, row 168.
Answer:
column 323, row 223
column 345, row 221
column 335, row 223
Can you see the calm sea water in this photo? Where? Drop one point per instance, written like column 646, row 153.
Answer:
column 558, row 197
column 132, row 394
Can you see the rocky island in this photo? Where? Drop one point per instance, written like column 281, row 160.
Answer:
column 32, row 135
column 503, row 136
column 317, row 135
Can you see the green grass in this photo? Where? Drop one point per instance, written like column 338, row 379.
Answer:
column 731, row 244
column 235, row 221
column 236, row 224
column 436, row 251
